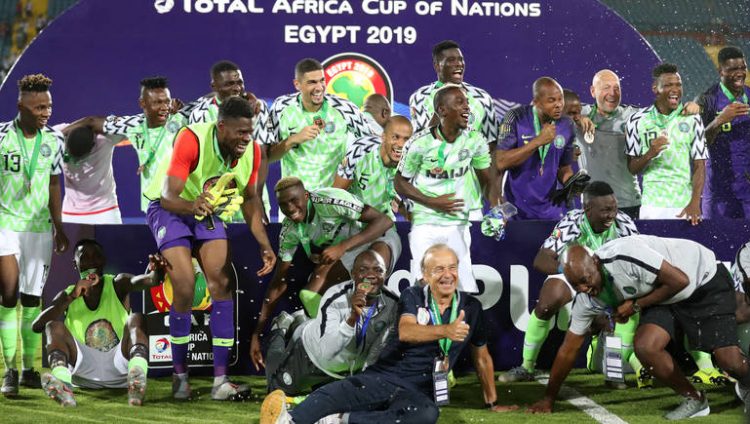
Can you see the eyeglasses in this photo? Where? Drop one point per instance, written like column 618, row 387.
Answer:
column 440, row 270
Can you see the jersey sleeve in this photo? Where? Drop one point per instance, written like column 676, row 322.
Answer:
column 56, row 167
column 698, row 149
column 490, row 122
column 567, row 157
column 340, row 203
column 707, row 103
column 256, row 165
column 411, row 160
column 625, row 225
column 633, row 259
column 184, row 156
column 585, row 309
column 508, row 134
column 566, row 231
column 741, row 267
column 481, row 158
column 632, row 140
column 121, row 125
column 288, row 240
column 261, row 131
column 354, row 154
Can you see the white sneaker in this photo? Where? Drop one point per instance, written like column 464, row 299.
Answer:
column 274, row 409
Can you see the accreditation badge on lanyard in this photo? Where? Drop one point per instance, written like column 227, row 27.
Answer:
column 441, row 363
column 613, row 367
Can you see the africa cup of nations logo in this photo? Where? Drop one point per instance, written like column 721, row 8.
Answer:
column 355, row 76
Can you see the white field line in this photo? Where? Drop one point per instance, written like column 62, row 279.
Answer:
column 591, row 408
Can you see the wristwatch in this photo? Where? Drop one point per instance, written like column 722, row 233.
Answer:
column 636, row 307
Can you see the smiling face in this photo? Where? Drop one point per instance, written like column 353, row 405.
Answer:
column 440, row 271
column 35, row 109
column 312, row 87
column 668, row 90
column 235, row 134
column 293, row 202
column 733, row 73
column 369, row 268
column 581, row 269
column 394, row 138
column 450, row 66
column 155, row 104
column 606, row 91
column 601, row 212
column 454, row 109
column 228, row 84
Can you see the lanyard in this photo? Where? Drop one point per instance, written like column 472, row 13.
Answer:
column 593, row 240
column 445, row 344
column 731, row 96
column 661, row 121
column 363, row 328
column 544, row 149
column 30, row 166
column 593, row 114
column 147, row 139
column 304, row 238
column 441, row 149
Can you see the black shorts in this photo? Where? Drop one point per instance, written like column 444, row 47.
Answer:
column 706, row 318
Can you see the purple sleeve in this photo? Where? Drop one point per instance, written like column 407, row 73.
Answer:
column 567, row 156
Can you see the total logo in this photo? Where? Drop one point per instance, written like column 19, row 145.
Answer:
column 161, row 345
column 209, row 6
column 163, row 6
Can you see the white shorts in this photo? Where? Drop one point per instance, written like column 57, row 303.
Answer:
column 565, row 280
column 654, row 212
column 95, row 369
column 390, row 238
column 457, row 237
column 109, row 216
column 33, row 251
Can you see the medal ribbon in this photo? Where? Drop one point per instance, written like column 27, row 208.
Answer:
column 30, row 166
column 593, row 114
column 731, row 96
column 304, row 238
column 660, row 120
column 445, row 344
column 538, row 129
column 147, row 139
column 360, row 335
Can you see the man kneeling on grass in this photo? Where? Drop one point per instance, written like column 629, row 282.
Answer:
column 409, row 380
column 99, row 340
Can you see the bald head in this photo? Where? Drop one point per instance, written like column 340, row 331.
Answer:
column 369, row 255
column 605, row 89
column 379, row 107
column 544, row 85
column 582, row 270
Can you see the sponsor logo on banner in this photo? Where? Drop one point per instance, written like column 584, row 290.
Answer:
column 354, row 76
column 160, row 350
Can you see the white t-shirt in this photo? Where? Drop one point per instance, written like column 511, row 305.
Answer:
column 89, row 182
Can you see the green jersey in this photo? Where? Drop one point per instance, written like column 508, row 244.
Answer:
column 332, row 217
column 371, row 180
column 315, row 161
column 153, row 145
column 100, row 328
column 26, row 165
column 667, row 178
column 436, row 167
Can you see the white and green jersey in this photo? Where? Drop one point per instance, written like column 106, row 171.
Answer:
column 483, row 117
column 371, row 180
column 436, row 168
column 315, row 161
column 207, row 110
column 667, row 178
column 332, row 217
column 26, row 165
column 153, row 145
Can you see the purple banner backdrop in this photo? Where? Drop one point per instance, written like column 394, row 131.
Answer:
column 98, row 51
column 508, row 283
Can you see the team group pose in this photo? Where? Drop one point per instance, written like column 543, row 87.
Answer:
column 357, row 351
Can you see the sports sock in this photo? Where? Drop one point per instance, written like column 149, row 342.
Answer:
column 536, row 333
column 626, row 333
column 702, row 359
column 222, row 333
column 179, row 332
column 138, row 357
column 311, row 302
column 743, row 334
column 58, row 362
column 29, row 338
column 9, row 335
